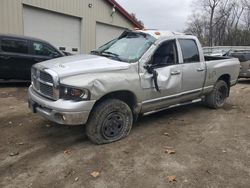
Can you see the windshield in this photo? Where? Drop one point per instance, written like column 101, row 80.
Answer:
column 129, row 47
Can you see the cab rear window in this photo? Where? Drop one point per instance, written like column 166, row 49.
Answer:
column 14, row 46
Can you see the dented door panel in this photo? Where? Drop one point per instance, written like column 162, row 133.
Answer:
column 169, row 82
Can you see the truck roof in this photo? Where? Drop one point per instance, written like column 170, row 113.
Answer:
column 161, row 33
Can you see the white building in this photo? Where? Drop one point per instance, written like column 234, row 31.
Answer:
column 77, row 26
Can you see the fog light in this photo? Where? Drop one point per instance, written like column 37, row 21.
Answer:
column 60, row 117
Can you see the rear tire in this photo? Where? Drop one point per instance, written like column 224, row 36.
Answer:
column 217, row 98
column 110, row 121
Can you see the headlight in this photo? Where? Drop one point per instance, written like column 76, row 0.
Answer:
column 70, row 93
column 33, row 72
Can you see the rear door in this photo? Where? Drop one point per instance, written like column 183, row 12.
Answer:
column 193, row 70
column 14, row 58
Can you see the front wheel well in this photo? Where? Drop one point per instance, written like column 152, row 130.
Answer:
column 126, row 96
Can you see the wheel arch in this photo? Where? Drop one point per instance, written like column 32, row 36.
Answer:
column 126, row 96
column 226, row 78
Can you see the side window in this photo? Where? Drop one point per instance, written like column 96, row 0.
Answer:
column 189, row 50
column 166, row 54
column 42, row 49
column 14, row 46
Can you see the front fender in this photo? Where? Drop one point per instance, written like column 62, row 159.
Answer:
column 100, row 84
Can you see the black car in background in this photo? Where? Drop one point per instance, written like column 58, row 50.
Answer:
column 19, row 53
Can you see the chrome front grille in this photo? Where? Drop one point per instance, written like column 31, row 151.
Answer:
column 46, row 90
column 45, row 83
column 46, row 77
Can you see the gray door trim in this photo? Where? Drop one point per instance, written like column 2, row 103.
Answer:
column 172, row 96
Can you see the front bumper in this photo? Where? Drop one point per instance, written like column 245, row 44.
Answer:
column 65, row 112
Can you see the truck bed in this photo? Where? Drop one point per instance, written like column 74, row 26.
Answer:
column 212, row 58
column 217, row 66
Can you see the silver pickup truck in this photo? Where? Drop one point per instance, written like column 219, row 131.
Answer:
column 139, row 73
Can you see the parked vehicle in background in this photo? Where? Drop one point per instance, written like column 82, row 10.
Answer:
column 141, row 72
column 216, row 53
column 19, row 53
column 222, row 50
column 210, row 51
column 244, row 58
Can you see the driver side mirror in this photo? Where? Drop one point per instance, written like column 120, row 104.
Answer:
column 150, row 60
column 149, row 68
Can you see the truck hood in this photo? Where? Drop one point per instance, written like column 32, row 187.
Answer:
column 79, row 64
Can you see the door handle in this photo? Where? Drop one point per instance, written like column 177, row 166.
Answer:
column 175, row 72
column 200, row 69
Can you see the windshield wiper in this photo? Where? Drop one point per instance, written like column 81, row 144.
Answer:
column 95, row 52
column 111, row 54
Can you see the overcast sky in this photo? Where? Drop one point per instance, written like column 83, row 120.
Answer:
column 160, row 14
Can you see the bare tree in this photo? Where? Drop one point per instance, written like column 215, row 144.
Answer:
column 139, row 21
column 221, row 22
column 246, row 14
column 210, row 6
column 196, row 26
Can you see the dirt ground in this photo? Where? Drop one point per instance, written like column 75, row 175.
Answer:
column 212, row 148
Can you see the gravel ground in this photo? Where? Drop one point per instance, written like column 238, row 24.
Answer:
column 210, row 148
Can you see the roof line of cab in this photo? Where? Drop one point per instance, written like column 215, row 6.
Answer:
column 163, row 33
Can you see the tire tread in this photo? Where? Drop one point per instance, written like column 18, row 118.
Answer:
column 97, row 116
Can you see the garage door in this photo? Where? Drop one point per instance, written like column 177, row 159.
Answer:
column 105, row 33
column 60, row 30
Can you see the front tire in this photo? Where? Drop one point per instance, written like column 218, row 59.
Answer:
column 110, row 121
column 217, row 98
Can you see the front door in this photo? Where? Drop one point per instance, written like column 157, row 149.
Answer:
column 162, row 90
